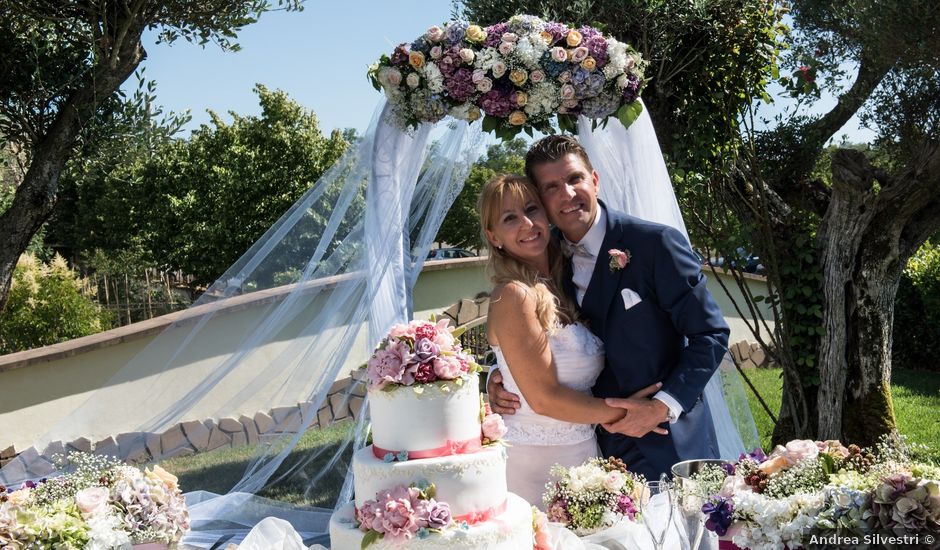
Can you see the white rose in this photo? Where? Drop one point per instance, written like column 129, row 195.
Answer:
column 467, row 55
column 622, row 81
column 92, row 501
column 499, row 69
column 614, row 481
column 485, row 85
column 413, row 80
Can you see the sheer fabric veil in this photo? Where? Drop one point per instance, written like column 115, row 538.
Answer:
column 634, row 180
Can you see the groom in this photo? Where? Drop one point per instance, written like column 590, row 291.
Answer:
column 658, row 321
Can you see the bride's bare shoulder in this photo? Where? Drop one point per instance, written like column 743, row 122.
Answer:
column 511, row 294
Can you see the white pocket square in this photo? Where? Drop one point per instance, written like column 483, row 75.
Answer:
column 630, row 298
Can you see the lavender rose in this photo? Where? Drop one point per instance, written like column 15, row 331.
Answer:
column 438, row 514
column 426, row 350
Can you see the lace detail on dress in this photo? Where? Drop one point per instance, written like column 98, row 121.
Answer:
column 579, row 358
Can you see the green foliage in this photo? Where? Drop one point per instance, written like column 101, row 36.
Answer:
column 205, row 200
column 461, row 225
column 47, row 306
column 917, row 312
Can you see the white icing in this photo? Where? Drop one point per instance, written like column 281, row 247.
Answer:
column 405, row 420
column 510, row 531
column 470, row 482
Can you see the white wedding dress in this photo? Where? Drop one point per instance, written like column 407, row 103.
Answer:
column 537, row 442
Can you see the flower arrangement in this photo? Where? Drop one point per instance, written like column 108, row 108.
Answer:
column 101, row 503
column 819, row 489
column 593, row 496
column 419, row 352
column 541, row 537
column 403, row 513
column 517, row 75
column 618, row 259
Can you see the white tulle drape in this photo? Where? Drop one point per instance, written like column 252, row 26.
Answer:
column 634, row 180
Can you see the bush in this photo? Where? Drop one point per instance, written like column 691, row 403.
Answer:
column 917, row 312
column 46, row 306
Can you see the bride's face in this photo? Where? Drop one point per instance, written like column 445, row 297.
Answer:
column 521, row 228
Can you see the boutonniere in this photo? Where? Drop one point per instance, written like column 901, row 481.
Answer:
column 618, row 259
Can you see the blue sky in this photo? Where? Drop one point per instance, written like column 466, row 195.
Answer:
column 318, row 56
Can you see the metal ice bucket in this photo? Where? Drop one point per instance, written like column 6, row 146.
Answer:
column 690, row 499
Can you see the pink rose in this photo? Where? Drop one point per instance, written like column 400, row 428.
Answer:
column 510, row 37
column 567, row 91
column 559, row 54
column 537, row 76
column 799, row 450
column 92, row 501
column 499, row 69
column 618, row 258
column 543, row 540
column 366, row 515
column 402, row 331
column 435, row 34
column 477, row 76
column 565, row 76
column 579, row 54
column 506, row 48
column 388, row 365
column 436, row 52
column 493, row 427
column 447, row 367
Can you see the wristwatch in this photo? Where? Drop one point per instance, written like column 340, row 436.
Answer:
column 670, row 416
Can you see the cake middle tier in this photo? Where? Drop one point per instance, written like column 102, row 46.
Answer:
column 427, row 420
column 472, row 484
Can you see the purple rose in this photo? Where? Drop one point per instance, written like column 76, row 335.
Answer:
column 426, row 350
column 438, row 514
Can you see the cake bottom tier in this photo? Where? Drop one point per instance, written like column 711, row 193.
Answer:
column 510, row 531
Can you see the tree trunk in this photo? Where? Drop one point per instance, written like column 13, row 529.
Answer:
column 36, row 196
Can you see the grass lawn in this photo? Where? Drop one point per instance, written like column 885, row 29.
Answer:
column 916, row 397
column 916, row 402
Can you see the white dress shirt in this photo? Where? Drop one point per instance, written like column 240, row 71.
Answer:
column 582, row 267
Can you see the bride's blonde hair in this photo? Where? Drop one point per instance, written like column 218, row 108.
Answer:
column 552, row 306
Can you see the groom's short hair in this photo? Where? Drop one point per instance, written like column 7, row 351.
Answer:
column 552, row 148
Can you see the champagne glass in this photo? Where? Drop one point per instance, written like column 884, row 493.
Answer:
column 656, row 510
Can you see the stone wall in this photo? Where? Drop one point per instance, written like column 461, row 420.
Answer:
column 344, row 401
column 750, row 355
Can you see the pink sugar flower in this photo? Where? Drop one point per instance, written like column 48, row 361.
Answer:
column 388, row 365
column 447, row 367
column 493, row 427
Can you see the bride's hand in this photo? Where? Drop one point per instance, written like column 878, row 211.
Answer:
column 501, row 401
column 643, row 415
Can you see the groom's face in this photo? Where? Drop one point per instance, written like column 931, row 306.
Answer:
column 568, row 189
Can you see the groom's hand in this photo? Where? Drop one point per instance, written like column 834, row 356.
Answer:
column 501, row 401
column 644, row 415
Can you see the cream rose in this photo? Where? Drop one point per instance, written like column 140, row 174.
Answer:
column 517, row 118
column 485, row 85
column 163, row 476
column 510, row 37
column 416, row 59
column 573, row 38
column 475, row 33
column 546, row 37
column 521, row 99
column 413, row 80
column 499, row 69
column 474, row 113
column 390, row 77
column 773, row 465
column 559, row 54
column 567, row 91
column 589, row 64
column 614, row 481
column 799, row 450
column 565, row 76
column 506, row 48
column 92, row 501
column 467, row 55
column 518, row 77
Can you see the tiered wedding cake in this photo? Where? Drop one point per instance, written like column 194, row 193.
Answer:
column 434, row 477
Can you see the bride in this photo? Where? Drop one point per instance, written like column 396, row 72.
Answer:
column 545, row 353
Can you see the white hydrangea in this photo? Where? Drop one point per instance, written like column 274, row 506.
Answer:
column 617, row 58
column 529, row 50
column 774, row 523
column 434, row 78
column 544, row 97
column 105, row 533
column 486, row 58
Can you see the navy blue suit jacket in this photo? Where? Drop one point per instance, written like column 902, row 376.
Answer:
column 675, row 335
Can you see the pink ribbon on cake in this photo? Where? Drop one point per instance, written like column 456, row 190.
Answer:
column 482, row 515
column 448, row 448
